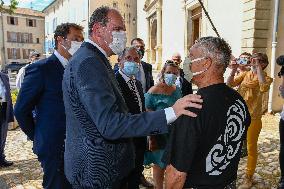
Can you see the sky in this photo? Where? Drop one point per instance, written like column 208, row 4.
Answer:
column 37, row 4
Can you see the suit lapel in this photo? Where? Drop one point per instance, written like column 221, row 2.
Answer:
column 111, row 75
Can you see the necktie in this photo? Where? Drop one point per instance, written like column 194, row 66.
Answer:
column 135, row 93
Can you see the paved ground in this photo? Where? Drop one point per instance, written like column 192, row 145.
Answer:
column 26, row 172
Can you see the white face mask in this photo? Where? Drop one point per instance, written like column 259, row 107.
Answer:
column 188, row 74
column 118, row 43
column 75, row 45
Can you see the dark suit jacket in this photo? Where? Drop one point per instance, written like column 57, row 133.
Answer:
column 186, row 87
column 9, row 110
column 42, row 90
column 133, row 105
column 98, row 152
column 148, row 73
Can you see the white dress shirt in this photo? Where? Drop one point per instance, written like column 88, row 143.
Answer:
column 20, row 77
column 63, row 60
column 128, row 80
column 178, row 83
column 2, row 92
column 170, row 113
column 93, row 43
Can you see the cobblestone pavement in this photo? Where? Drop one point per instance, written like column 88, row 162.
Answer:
column 27, row 174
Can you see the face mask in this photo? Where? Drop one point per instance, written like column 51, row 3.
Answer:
column 130, row 68
column 141, row 53
column 118, row 43
column 75, row 45
column 170, row 79
column 188, row 74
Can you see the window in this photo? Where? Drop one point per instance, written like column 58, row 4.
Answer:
column 12, row 20
column 31, row 22
column 14, row 53
column 25, row 38
column 194, row 28
column 46, row 28
column 26, row 53
column 12, row 37
column 114, row 5
column 37, row 40
column 54, row 23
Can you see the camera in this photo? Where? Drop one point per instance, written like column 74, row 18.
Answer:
column 280, row 62
column 243, row 61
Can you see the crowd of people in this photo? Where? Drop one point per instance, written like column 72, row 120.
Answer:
column 96, row 127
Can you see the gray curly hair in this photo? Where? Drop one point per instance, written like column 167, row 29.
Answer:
column 215, row 48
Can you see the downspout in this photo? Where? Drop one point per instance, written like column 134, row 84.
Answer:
column 273, row 53
column 4, row 48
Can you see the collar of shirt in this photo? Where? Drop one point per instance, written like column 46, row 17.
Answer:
column 125, row 77
column 63, row 60
column 93, row 43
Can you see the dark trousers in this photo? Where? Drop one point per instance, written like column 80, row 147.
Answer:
column 133, row 179
column 281, row 154
column 53, row 169
column 3, row 129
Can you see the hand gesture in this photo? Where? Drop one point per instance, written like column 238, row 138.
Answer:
column 182, row 104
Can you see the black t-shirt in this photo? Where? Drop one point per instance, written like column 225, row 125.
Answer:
column 208, row 147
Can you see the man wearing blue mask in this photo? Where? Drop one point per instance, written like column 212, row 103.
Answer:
column 41, row 91
column 133, row 95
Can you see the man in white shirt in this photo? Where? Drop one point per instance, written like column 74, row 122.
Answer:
column 34, row 56
column 41, row 90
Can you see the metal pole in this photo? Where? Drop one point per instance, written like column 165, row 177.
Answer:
column 273, row 53
column 207, row 15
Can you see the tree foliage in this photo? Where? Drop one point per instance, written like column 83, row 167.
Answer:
column 10, row 8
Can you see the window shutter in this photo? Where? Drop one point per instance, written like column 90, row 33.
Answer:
column 18, row 54
column 27, row 22
column 16, row 20
column 34, row 22
column 24, row 54
column 8, row 20
column 9, row 53
column 19, row 40
column 8, row 36
column 31, row 38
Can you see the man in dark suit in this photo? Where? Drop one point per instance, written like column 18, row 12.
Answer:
column 133, row 95
column 98, row 151
column 6, row 116
column 145, row 69
column 42, row 91
column 186, row 87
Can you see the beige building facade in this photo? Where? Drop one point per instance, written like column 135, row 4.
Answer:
column 21, row 32
column 172, row 26
column 60, row 11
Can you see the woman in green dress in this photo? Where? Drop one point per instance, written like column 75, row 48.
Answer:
column 163, row 95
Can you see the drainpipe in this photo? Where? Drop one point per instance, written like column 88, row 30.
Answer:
column 273, row 53
column 4, row 48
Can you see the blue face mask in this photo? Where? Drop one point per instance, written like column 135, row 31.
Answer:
column 170, row 79
column 130, row 68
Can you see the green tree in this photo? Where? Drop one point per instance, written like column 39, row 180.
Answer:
column 8, row 9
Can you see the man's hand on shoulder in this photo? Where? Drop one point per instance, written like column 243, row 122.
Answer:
column 191, row 100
